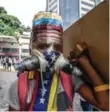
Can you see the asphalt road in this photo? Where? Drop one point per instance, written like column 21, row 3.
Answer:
column 7, row 75
column 6, row 78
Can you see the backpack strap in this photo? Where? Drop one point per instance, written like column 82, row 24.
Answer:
column 23, row 87
column 34, row 92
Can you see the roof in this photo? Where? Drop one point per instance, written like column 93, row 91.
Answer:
column 4, row 38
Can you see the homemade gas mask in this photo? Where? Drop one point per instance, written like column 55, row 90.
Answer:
column 50, row 60
column 46, row 43
column 48, row 29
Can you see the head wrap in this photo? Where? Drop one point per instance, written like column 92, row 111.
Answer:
column 47, row 24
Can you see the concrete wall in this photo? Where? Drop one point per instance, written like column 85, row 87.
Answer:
column 93, row 29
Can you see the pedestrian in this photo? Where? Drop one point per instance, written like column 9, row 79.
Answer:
column 9, row 66
column 4, row 65
column 7, row 62
column 13, row 61
column 52, row 86
column 2, row 61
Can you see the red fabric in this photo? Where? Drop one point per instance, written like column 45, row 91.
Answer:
column 35, row 92
column 48, row 27
column 49, row 31
column 66, row 80
column 23, row 87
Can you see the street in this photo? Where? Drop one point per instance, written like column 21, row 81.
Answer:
column 6, row 78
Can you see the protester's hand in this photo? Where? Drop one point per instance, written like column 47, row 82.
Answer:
column 84, row 59
column 80, row 49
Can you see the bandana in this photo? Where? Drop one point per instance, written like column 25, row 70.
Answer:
column 51, row 58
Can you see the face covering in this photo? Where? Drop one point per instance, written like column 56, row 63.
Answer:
column 47, row 59
column 51, row 57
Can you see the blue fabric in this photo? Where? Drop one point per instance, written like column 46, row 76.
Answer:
column 39, row 105
column 86, row 106
column 51, row 58
column 47, row 21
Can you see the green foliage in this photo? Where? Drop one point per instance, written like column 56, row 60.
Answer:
column 9, row 24
column 11, row 21
column 2, row 10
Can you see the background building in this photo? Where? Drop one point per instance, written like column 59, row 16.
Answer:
column 71, row 10
column 8, row 47
column 24, row 41
column 86, row 5
column 52, row 5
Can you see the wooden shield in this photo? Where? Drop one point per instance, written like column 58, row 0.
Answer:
column 93, row 28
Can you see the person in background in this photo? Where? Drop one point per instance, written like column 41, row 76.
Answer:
column 51, row 86
column 9, row 64
column 4, row 63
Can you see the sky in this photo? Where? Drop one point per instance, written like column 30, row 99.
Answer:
column 24, row 10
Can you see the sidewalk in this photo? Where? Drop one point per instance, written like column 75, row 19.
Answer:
column 3, row 69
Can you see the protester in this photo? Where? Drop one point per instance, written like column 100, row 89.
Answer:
column 51, row 87
column 79, row 102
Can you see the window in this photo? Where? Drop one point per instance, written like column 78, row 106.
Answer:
column 53, row 8
column 87, row 4
column 7, row 50
column 84, row 9
column 53, row 2
column 25, row 37
column 25, row 50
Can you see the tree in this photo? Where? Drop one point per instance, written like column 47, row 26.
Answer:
column 2, row 25
column 2, row 10
column 9, row 24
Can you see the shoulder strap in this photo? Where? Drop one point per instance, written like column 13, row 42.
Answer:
column 23, row 87
column 34, row 92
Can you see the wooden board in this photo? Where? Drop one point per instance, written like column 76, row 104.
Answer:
column 93, row 29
